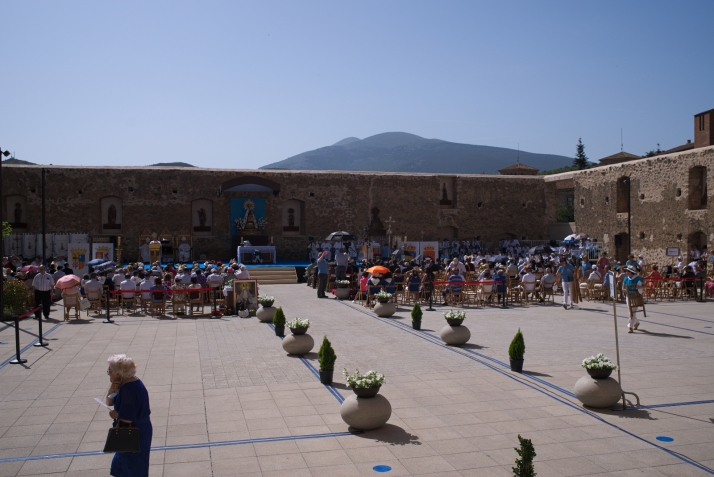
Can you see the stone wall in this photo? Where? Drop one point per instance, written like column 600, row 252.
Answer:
column 661, row 214
column 154, row 198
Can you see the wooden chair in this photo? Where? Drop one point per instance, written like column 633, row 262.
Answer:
column 128, row 301
column 371, row 291
column 196, row 300
column 546, row 292
column 454, row 293
column 178, row 302
column 486, row 293
column 514, row 290
column 470, row 293
column 70, row 302
column 529, row 291
column 95, row 299
column 635, row 302
column 158, row 304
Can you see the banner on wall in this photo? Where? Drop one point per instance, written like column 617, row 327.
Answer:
column 103, row 250
column 61, row 244
column 411, row 250
column 78, row 258
column 429, row 249
column 29, row 250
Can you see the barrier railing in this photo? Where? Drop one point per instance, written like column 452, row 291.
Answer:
column 17, row 318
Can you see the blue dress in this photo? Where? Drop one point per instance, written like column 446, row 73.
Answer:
column 132, row 404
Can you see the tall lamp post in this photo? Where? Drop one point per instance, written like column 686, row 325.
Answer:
column 2, row 242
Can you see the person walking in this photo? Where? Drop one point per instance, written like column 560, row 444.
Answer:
column 566, row 275
column 130, row 399
column 322, row 274
column 43, row 283
column 633, row 283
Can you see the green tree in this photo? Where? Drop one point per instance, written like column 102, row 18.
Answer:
column 581, row 160
column 6, row 229
column 653, row 152
column 518, row 346
column 326, row 356
column 524, row 466
column 565, row 213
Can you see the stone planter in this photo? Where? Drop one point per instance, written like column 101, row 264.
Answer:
column 599, row 373
column 598, row 393
column 365, row 413
column 455, row 335
column 298, row 331
column 299, row 345
column 342, row 293
column 243, row 313
column 416, row 325
column 517, row 365
column 266, row 314
column 458, row 322
column 366, row 392
column 385, row 310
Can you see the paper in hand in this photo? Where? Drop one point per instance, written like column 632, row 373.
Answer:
column 102, row 403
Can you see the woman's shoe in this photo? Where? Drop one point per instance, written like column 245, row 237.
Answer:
column 637, row 325
column 629, row 330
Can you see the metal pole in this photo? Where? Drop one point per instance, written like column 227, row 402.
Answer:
column 108, row 320
column 40, row 341
column 2, row 243
column 613, row 281
column 629, row 216
column 44, row 247
column 18, row 359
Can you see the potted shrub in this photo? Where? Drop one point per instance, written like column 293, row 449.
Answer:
column 14, row 294
column 343, row 289
column 298, row 326
column 364, row 385
column 326, row 357
column 516, row 351
column 455, row 318
column 251, row 312
column 524, row 465
column 599, row 366
column 416, row 316
column 279, row 322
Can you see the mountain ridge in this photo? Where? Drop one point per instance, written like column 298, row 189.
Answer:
column 405, row 152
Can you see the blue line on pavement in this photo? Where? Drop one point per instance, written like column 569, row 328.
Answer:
column 5, row 363
column 552, row 396
column 673, row 404
column 189, row 446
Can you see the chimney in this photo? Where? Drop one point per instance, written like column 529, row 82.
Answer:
column 689, row 141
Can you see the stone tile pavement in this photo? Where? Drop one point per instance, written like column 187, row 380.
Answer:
column 456, row 411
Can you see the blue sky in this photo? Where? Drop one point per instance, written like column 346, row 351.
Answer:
column 243, row 84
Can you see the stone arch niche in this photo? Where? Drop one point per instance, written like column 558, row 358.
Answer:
column 696, row 239
column 293, row 213
column 111, row 210
column 202, row 217
column 16, row 211
column 623, row 195
column 697, row 188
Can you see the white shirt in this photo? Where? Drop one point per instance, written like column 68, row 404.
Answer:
column 117, row 279
column 43, row 282
column 127, row 285
column 528, row 278
column 92, row 286
column 146, row 285
column 214, row 280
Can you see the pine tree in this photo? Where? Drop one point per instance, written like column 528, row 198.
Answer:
column 581, row 160
column 524, row 465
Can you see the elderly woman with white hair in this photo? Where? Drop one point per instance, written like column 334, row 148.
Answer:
column 131, row 406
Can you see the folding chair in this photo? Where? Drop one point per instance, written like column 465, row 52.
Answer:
column 158, row 304
column 635, row 302
column 95, row 299
column 196, row 300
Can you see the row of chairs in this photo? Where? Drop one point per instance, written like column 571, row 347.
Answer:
column 156, row 304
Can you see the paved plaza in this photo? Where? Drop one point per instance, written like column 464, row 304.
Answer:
column 226, row 400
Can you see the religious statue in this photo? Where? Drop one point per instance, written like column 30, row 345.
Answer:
column 18, row 214
column 144, row 251
column 444, row 195
column 184, row 251
column 112, row 218
column 154, row 249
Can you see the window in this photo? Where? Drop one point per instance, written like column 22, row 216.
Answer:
column 697, row 188
column 701, row 122
column 623, row 195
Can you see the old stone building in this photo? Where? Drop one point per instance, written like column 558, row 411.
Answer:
column 648, row 205
column 204, row 205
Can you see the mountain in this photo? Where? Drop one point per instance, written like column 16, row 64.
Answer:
column 12, row 160
column 171, row 164
column 403, row 152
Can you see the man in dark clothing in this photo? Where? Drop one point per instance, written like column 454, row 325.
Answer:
column 67, row 270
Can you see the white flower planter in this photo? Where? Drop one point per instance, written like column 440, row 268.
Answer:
column 598, row 393
column 455, row 335
column 342, row 293
column 385, row 310
column 265, row 314
column 366, row 413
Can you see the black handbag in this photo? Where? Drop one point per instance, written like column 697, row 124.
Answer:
column 122, row 439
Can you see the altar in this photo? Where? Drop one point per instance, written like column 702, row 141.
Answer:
column 247, row 255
